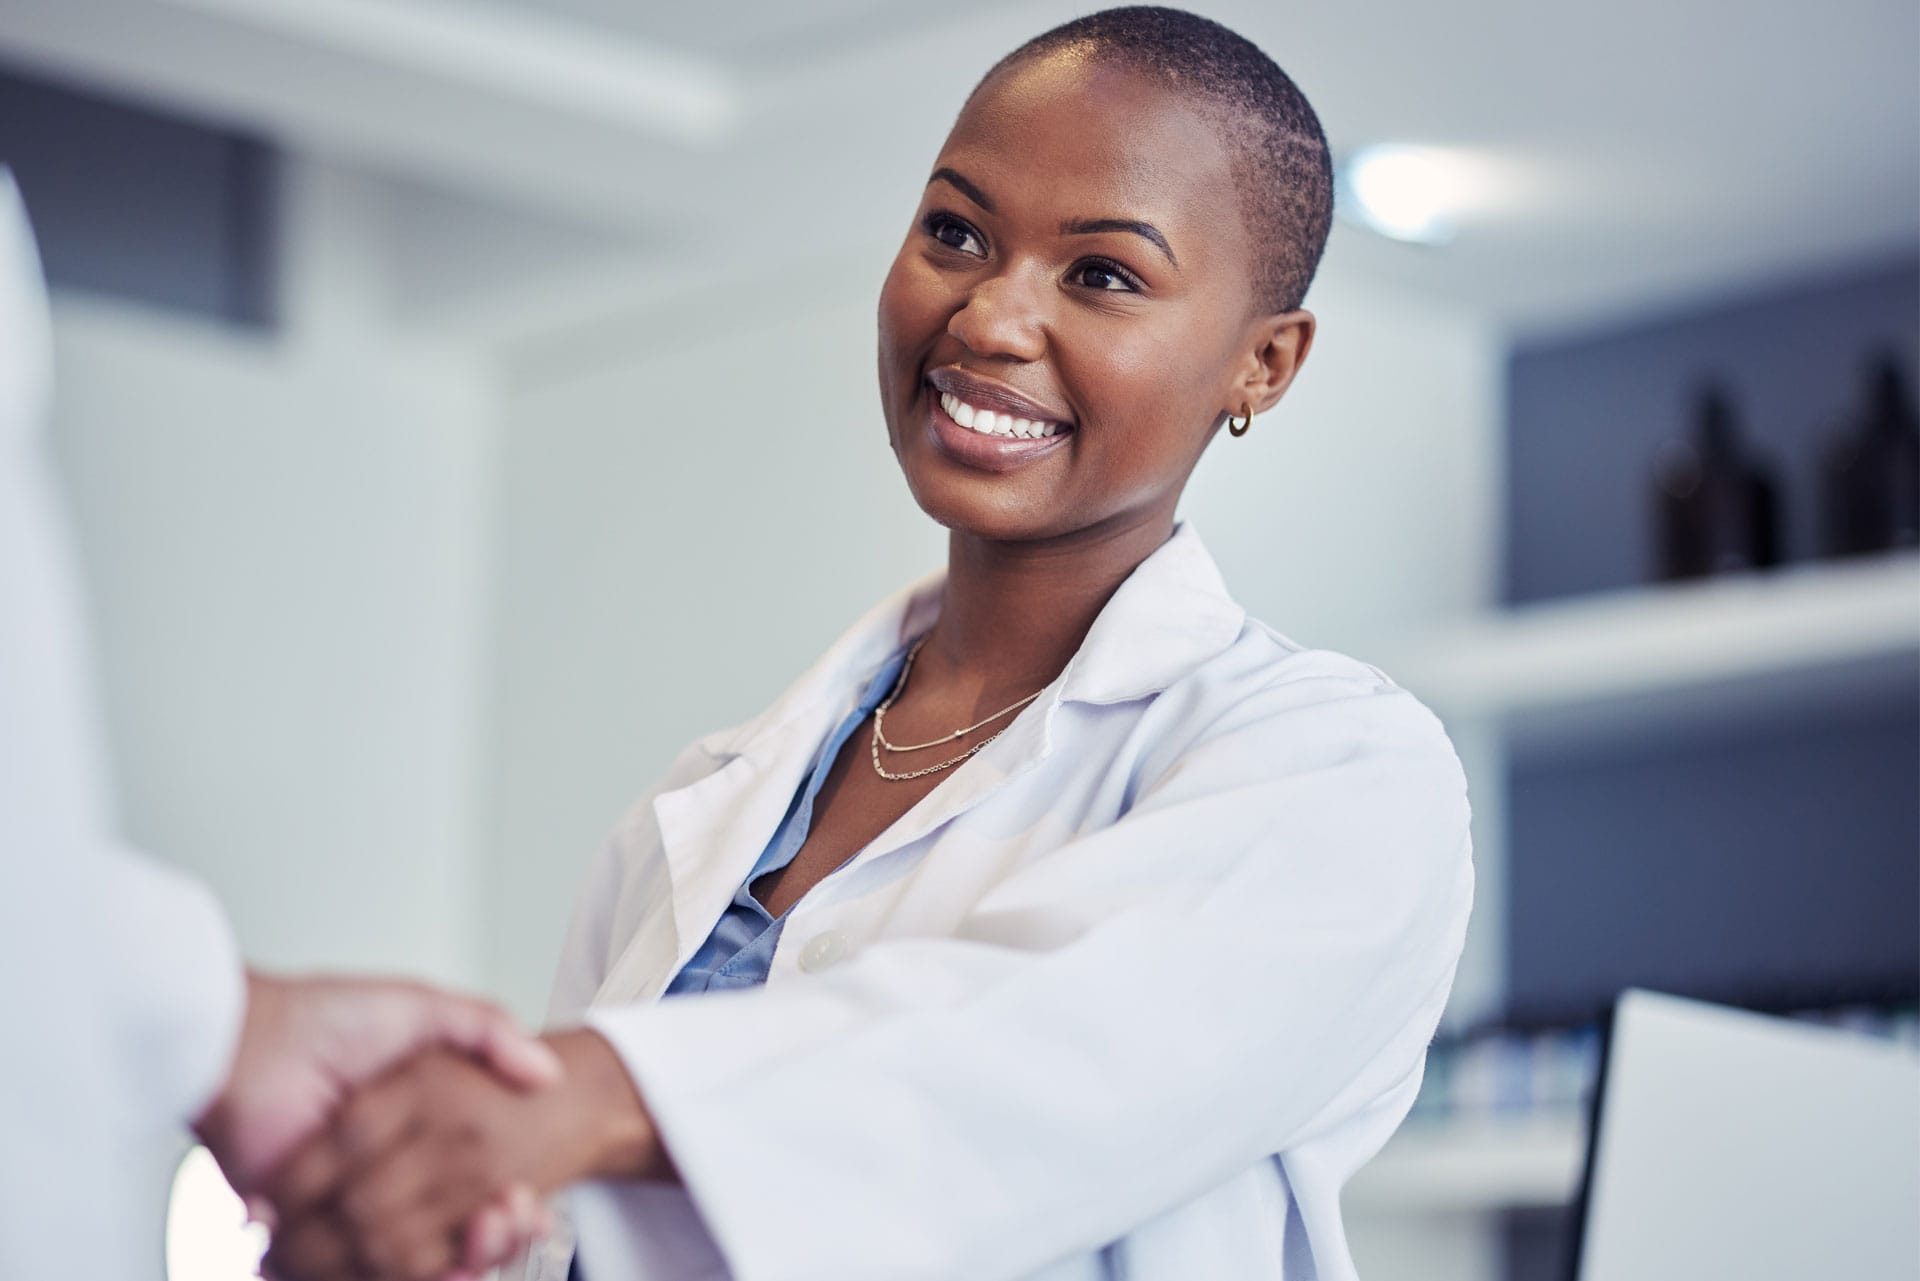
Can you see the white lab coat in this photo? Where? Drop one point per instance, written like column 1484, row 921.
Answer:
column 1132, row 993
column 121, row 989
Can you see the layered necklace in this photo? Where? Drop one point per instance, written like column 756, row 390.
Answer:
column 880, row 734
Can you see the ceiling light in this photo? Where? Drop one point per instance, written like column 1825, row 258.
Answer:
column 1411, row 193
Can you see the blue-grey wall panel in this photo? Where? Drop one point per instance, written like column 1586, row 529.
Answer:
column 1782, row 858
column 138, row 204
column 1586, row 416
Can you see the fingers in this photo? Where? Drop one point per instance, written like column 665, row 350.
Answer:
column 313, row 1250
column 514, row 1219
column 392, row 1235
column 403, row 1221
column 360, row 1028
column 319, row 1249
column 372, row 1122
column 409, row 1182
column 418, row 1244
column 260, row 1210
column 489, row 1034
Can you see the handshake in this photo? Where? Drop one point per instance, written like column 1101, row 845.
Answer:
column 387, row 1131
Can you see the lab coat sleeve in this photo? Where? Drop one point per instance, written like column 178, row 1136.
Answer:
column 100, row 950
column 176, row 1023
column 1255, row 952
column 141, row 951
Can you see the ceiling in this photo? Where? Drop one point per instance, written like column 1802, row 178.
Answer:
column 754, row 33
column 1658, row 150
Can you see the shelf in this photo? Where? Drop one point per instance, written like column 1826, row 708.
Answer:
column 1435, row 1166
column 1814, row 635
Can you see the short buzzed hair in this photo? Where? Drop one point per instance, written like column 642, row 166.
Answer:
column 1281, row 162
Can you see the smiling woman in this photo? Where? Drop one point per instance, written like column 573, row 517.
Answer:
column 1061, row 921
column 1107, row 279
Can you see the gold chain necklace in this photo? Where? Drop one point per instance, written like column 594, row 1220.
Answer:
column 880, row 715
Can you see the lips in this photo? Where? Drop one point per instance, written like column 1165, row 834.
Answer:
column 988, row 423
column 996, row 398
column 992, row 452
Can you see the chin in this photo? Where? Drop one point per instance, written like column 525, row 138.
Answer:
column 954, row 504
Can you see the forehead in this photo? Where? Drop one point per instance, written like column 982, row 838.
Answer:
column 1066, row 137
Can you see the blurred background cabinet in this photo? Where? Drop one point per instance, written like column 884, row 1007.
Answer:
column 1707, row 787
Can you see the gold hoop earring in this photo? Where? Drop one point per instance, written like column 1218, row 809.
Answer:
column 1246, row 420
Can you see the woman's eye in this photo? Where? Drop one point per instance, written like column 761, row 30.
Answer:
column 1105, row 276
column 954, row 234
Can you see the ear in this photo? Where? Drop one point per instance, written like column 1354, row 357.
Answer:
column 1277, row 346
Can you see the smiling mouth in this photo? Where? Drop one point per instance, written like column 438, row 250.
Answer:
column 1003, row 425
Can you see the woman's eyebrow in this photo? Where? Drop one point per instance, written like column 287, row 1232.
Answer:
column 965, row 188
column 1072, row 227
column 1145, row 230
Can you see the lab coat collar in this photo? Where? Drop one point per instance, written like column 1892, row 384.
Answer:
column 1172, row 613
column 1168, row 617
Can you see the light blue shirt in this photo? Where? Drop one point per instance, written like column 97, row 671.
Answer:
column 739, row 951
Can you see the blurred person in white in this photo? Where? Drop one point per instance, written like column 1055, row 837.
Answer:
column 1119, row 951
column 125, row 1008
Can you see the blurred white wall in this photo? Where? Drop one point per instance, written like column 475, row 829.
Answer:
column 698, row 496
column 696, row 500
column 282, row 542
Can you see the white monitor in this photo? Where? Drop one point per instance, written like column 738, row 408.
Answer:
column 1729, row 1144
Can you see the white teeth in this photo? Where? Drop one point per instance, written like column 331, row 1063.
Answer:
column 987, row 422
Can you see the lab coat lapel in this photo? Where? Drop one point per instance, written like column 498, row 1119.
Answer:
column 1171, row 614
column 1024, row 745
column 713, row 829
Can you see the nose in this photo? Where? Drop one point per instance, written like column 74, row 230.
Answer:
column 1002, row 315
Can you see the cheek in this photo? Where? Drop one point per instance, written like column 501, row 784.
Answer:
column 1147, row 393
column 1132, row 377
column 914, row 304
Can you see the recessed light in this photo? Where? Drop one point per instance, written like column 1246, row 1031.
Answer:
column 1411, row 193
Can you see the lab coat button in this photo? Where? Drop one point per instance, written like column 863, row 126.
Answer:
column 823, row 950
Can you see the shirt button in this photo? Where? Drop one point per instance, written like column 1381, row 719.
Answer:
column 823, row 950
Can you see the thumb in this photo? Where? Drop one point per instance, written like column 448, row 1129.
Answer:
column 489, row 1034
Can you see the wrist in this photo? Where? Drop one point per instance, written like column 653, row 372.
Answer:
column 619, row 1139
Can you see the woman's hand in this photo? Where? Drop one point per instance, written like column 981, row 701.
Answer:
column 390, row 1189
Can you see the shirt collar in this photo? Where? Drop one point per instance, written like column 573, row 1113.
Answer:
column 1170, row 615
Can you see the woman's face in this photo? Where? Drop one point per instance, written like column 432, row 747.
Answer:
column 1078, row 260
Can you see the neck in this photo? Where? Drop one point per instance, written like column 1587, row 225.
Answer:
column 1013, row 614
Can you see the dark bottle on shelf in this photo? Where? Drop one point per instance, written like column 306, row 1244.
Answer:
column 1718, row 507
column 1870, row 471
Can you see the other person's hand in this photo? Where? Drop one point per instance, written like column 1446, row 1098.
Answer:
column 390, row 1189
column 306, row 1043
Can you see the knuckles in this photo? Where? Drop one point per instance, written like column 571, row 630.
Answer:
column 363, row 1210
column 356, row 1134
